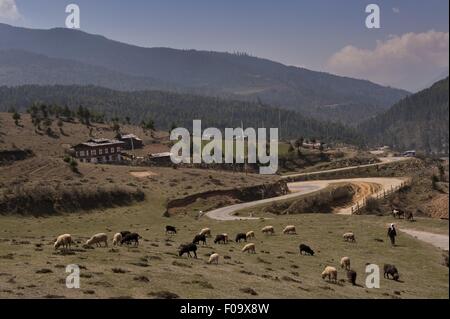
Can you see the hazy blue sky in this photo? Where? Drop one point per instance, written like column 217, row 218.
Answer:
column 328, row 35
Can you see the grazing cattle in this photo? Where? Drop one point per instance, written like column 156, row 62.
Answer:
column 124, row 233
column 220, row 239
column 331, row 273
column 397, row 213
column 214, row 258
column 199, row 238
column 117, row 239
column 345, row 263
column 349, row 237
column 226, row 237
column 289, row 230
column 171, row 230
column 129, row 238
column 97, row 240
column 250, row 248
column 410, row 216
column 391, row 270
column 187, row 249
column 268, row 230
column 241, row 236
column 250, row 234
column 206, row 232
column 63, row 240
column 306, row 249
column 351, row 276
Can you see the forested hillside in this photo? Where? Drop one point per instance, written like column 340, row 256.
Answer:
column 420, row 121
column 168, row 109
column 236, row 76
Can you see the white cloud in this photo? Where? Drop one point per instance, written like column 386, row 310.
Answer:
column 9, row 11
column 396, row 10
column 401, row 61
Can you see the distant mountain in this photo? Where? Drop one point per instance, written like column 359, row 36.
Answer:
column 167, row 109
column 420, row 121
column 236, row 76
column 20, row 67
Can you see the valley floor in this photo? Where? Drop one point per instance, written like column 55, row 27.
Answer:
column 30, row 267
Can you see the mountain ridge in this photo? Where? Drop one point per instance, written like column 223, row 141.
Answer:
column 237, row 76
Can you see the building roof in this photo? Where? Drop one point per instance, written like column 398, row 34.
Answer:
column 128, row 136
column 99, row 142
column 158, row 155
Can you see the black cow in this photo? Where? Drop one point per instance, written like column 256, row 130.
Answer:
column 171, row 230
column 241, row 236
column 187, row 249
column 351, row 276
column 199, row 238
column 392, row 271
column 306, row 249
column 124, row 233
column 220, row 239
column 129, row 238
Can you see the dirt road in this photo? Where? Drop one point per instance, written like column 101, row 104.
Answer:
column 307, row 187
column 437, row 240
column 384, row 161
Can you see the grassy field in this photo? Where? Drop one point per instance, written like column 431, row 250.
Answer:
column 275, row 271
column 30, row 267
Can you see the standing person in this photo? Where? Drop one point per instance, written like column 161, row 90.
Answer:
column 392, row 233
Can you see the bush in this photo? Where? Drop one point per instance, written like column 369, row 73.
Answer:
column 73, row 165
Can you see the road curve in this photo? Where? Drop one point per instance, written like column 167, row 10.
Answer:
column 307, row 187
column 303, row 188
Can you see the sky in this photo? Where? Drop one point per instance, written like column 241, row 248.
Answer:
column 410, row 50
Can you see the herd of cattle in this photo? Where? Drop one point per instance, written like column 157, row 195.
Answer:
column 128, row 238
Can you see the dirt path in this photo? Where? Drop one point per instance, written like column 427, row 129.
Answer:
column 437, row 240
column 302, row 188
column 383, row 161
column 306, row 187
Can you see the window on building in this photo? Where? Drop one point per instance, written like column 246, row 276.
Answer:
column 94, row 152
column 106, row 150
column 81, row 153
column 100, row 152
column 112, row 150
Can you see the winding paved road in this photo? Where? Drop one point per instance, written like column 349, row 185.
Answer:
column 307, row 187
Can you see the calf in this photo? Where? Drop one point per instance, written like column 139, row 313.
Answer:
column 129, row 238
column 391, row 270
column 199, row 238
column 187, row 249
column 220, row 239
column 171, row 230
column 306, row 249
column 241, row 236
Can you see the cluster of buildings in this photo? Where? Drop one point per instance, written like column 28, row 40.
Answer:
column 103, row 150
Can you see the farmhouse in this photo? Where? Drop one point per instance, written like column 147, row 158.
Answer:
column 131, row 141
column 99, row 150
